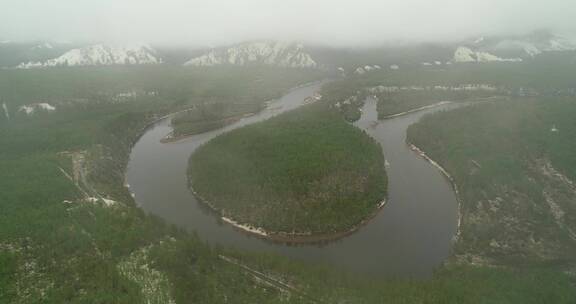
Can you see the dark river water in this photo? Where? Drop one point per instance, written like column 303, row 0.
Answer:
column 410, row 236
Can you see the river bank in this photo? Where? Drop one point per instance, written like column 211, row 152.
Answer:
column 417, row 109
column 448, row 177
column 288, row 237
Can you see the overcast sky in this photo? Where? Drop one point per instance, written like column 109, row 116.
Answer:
column 337, row 22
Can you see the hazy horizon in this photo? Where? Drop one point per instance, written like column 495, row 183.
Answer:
column 332, row 23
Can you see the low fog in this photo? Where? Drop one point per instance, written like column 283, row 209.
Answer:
column 330, row 22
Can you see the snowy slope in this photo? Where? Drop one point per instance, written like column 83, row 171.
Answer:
column 525, row 46
column 533, row 48
column 100, row 55
column 280, row 54
column 465, row 54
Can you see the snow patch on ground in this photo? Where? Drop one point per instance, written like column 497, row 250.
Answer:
column 30, row 279
column 247, row 228
column 154, row 285
column 464, row 87
column 5, row 108
column 367, row 68
column 107, row 202
column 35, row 107
column 132, row 95
column 94, row 200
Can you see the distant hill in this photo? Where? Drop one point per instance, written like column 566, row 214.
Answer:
column 99, row 54
column 13, row 53
column 538, row 45
column 510, row 48
column 465, row 54
column 281, row 54
column 522, row 46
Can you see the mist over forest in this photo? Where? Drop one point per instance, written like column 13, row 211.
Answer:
column 263, row 151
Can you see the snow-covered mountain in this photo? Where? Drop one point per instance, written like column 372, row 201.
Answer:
column 12, row 53
column 533, row 47
column 282, row 54
column 466, row 54
column 523, row 46
column 100, row 55
column 512, row 48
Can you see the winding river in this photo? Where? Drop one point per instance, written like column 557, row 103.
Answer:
column 410, row 236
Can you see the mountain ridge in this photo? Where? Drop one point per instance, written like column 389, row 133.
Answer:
column 282, row 54
column 100, row 54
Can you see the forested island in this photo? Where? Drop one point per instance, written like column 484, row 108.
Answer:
column 205, row 117
column 306, row 175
